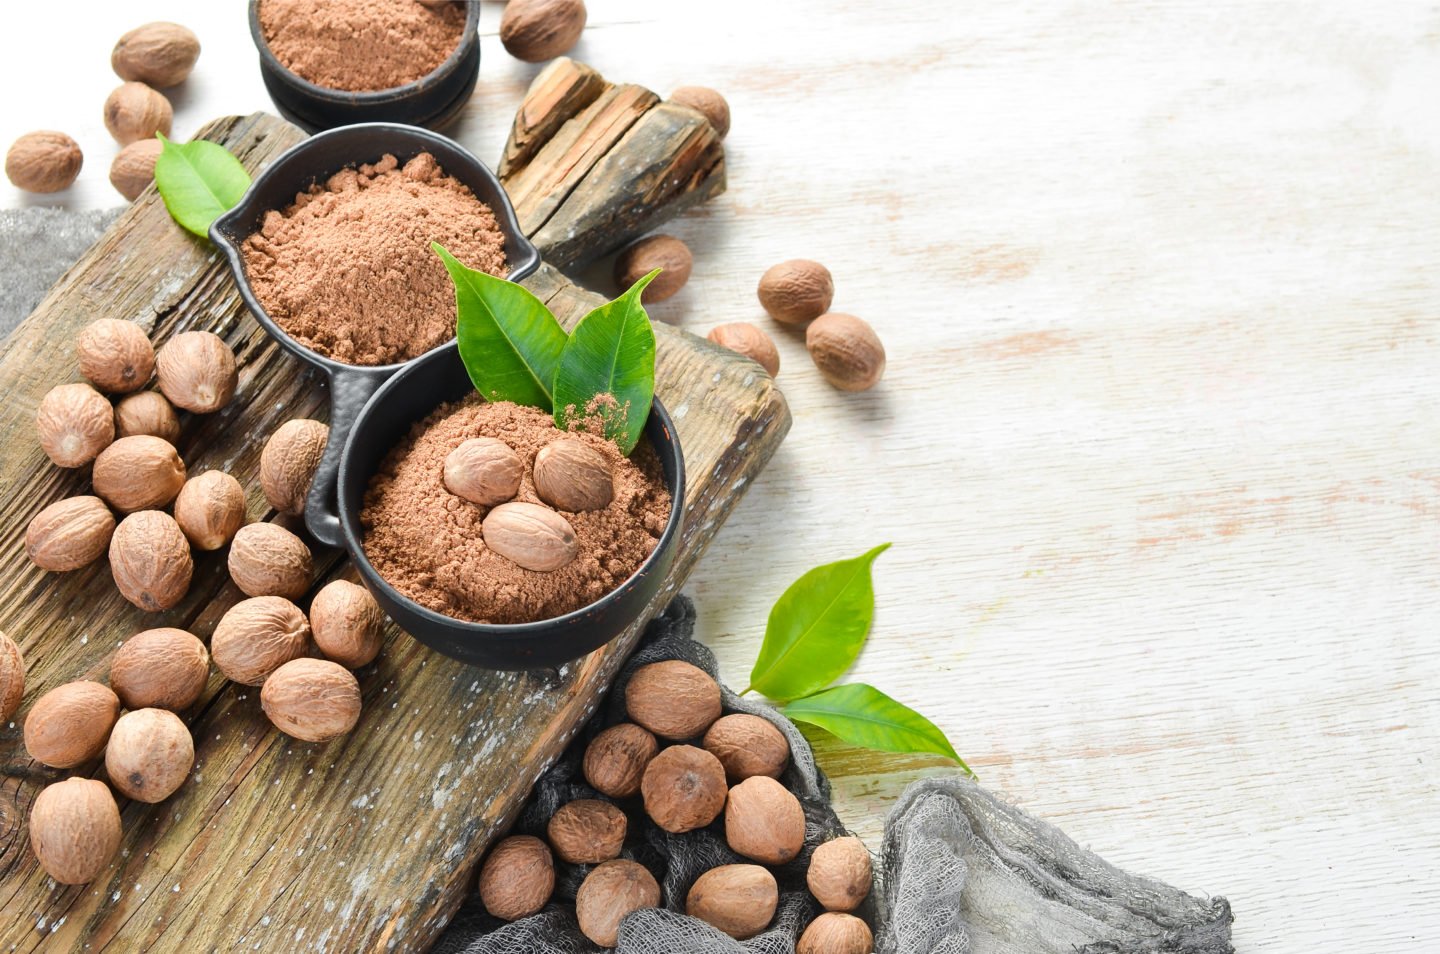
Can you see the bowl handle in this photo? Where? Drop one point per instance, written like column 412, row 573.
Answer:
column 349, row 390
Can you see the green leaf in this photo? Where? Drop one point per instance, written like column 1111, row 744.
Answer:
column 509, row 341
column 865, row 716
column 199, row 182
column 611, row 351
column 816, row 628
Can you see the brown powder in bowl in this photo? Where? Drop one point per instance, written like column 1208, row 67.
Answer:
column 361, row 45
column 348, row 271
column 426, row 542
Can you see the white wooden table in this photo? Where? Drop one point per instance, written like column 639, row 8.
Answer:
column 1158, row 448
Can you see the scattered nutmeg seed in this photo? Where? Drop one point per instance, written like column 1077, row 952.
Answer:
column 258, row 636
column 764, row 821
column 797, row 291
column 615, row 759
column 44, row 161
column 162, row 668
column 68, row 725
column 197, row 371
column 115, row 356
column 673, row 699
column 517, row 878
column 150, row 560
column 289, row 461
column 75, row 424
column 571, row 475
column 138, row 473
column 268, row 560
column 149, row 754
column 747, row 745
column 655, row 251
column 708, row 103
column 744, row 338
column 75, row 829
column 587, row 831
column 610, row 892
column 839, row 874
column 683, row 788
column 69, row 534
column 133, row 167
column 147, row 412
column 210, row 509
column 135, row 111
column 347, row 624
column 161, row 54
column 12, row 677
column 530, row 536
column 846, row 350
column 833, row 933
column 313, row 700
column 739, row 900
column 484, row 470
column 539, row 30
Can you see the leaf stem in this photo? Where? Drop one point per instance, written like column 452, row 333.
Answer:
column 746, row 689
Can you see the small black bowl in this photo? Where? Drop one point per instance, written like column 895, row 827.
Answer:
column 433, row 100
column 408, row 397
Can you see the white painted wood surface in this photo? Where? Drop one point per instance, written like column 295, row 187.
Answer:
column 1157, row 448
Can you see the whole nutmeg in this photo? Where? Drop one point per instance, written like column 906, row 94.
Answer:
column 610, row 892
column 149, row 754
column 135, row 111
column 530, row 536
column 289, row 461
column 796, row 291
column 833, row 933
column 133, row 167
column 839, row 873
column 68, row 725
column 664, row 252
column 147, row 412
column 268, row 560
column 764, row 821
column 210, row 509
column 708, row 103
column 673, row 699
column 747, row 745
column 197, row 372
column 484, row 470
column 571, row 475
column 538, row 30
column 683, row 788
column 12, row 677
column 44, row 161
column 256, row 637
column 347, row 623
column 161, row 54
column 615, row 759
column 115, row 356
column 75, row 424
column 739, row 900
column 69, row 534
column 587, row 831
column 517, row 878
column 75, row 829
column 160, row 669
column 150, row 560
column 846, row 350
column 138, row 473
column 744, row 338
column 313, row 700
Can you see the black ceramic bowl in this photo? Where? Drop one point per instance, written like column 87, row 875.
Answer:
column 433, row 100
column 316, row 159
column 409, row 396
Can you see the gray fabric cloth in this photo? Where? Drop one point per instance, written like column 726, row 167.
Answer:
column 37, row 245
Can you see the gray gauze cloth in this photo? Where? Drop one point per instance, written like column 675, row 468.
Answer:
column 37, row 245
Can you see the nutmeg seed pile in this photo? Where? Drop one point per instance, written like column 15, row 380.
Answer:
column 690, row 766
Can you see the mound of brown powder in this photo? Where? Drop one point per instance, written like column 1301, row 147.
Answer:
column 348, row 271
column 361, row 45
column 426, row 542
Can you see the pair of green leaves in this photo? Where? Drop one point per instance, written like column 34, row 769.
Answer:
column 815, row 632
column 515, row 350
column 199, row 182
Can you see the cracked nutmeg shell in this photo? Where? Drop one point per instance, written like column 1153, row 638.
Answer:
column 197, row 372
column 161, row 668
column 517, row 877
column 839, row 874
column 210, row 509
column 138, row 473
column 587, row 831
column 615, row 759
column 75, row 829
column 484, row 471
column 257, row 636
column 69, row 534
column 150, row 560
column 764, row 821
column 530, row 536
column 673, row 699
column 75, row 424
column 68, row 725
column 833, row 933
column 149, row 755
column 571, row 475
column 739, row 900
column 313, row 700
column 268, row 560
column 289, row 461
column 116, row 356
column 683, row 788
column 610, row 892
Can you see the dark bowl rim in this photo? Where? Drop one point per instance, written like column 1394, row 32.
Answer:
column 520, row 266
column 506, row 632
column 469, row 38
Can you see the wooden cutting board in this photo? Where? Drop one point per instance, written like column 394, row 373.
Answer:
column 369, row 842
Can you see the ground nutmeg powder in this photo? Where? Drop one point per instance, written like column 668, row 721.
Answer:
column 361, row 45
column 348, row 270
column 427, row 543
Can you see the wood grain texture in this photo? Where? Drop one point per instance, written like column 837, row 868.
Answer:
column 367, row 843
